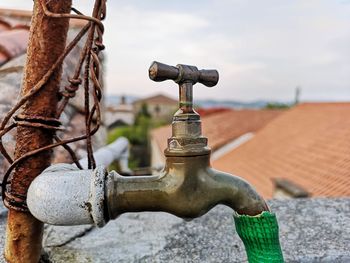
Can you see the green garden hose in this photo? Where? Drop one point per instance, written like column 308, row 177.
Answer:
column 260, row 237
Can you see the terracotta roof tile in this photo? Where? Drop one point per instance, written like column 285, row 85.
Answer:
column 14, row 36
column 223, row 127
column 14, row 33
column 308, row 145
column 13, row 43
column 206, row 112
column 4, row 25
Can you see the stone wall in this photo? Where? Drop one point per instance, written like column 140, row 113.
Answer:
column 311, row 230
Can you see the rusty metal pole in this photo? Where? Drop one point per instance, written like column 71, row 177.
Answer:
column 46, row 42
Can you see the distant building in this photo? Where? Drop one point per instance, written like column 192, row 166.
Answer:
column 158, row 106
column 225, row 130
column 119, row 115
column 303, row 152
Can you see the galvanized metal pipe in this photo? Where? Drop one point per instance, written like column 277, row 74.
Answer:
column 83, row 190
column 116, row 151
column 65, row 195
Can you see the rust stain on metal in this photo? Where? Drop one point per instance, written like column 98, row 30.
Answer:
column 23, row 227
column 92, row 115
column 46, row 43
column 38, row 121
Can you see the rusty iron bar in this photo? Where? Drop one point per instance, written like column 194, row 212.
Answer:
column 39, row 117
column 69, row 92
column 4, row 129
column 46, row 44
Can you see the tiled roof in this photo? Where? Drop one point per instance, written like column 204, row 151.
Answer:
column 13, row 38
column 159, row 98
column 209, row 111
column 223, row 127
column 14, row 32
column 14, row 17
column 4, row 25
column 308, row 145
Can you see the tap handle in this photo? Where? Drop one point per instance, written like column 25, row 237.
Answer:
column 183, row 73
column 159, row 72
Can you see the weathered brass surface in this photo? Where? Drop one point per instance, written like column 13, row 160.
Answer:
column 187, row 187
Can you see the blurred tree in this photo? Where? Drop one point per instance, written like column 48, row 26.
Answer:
column 276, row 105
column 138, row 136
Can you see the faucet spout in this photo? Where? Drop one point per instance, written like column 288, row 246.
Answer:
column 187, row 187
column 238, row 194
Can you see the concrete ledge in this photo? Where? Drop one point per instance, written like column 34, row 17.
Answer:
column 311, row 230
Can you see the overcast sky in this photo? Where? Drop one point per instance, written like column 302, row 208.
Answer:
column 262, row 49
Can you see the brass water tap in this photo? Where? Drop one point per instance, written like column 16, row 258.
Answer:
column 187, row 187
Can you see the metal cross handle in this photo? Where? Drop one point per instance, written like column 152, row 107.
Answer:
column 186, row 76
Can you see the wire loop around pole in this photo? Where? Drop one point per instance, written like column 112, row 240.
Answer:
column 93, row 45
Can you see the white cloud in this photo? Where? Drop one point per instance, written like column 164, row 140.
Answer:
column 262, row 49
